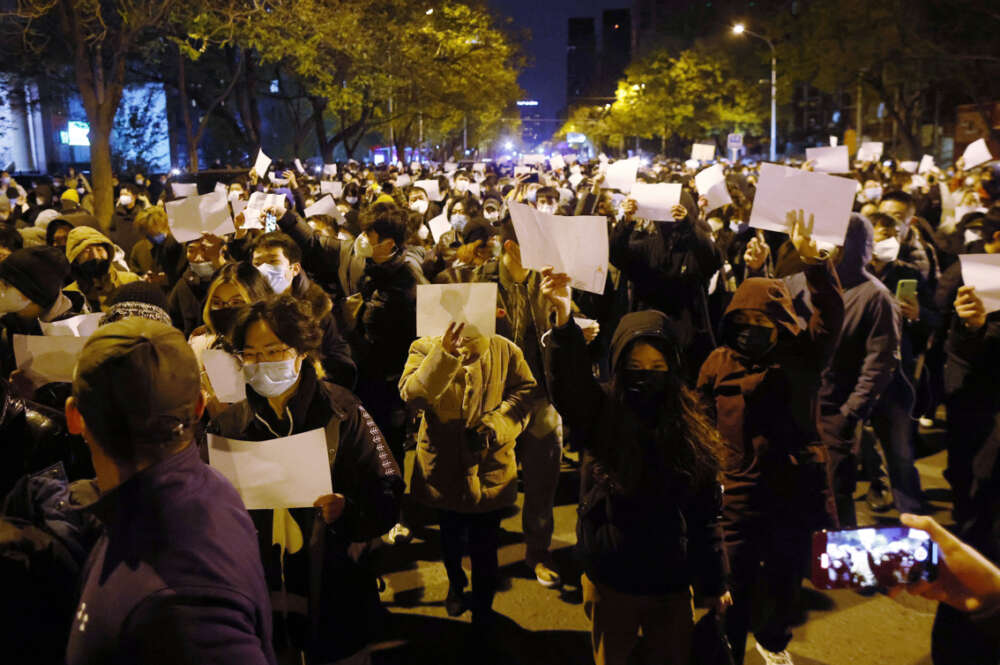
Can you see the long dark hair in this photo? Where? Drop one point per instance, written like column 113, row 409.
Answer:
column 684, row 440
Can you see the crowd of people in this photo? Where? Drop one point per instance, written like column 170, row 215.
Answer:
column 724, row 392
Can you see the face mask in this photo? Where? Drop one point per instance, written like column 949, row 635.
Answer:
column 57, row 184
column 157, row 238
column 550, row 208
column 971, row 236
column 276, row 277
column 235, row 195
column 461, row 186
column 459, row 222
column 753, row 341
column 5, row 180
column 222, row 319
column 420, row 205
column 363, row 248
column 873, row 194
column 491, row 215
column 12, row 300
column 138, row 181
column 81, row 191
column 351, row 199
column 270, row 379
column 970, row 181
column 94, row 268
column 124, row 200
column 644, row 389
column 886, row 250
column 203, row 269
column 423, row 233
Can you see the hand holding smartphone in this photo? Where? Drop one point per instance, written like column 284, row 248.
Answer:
column 873, row 557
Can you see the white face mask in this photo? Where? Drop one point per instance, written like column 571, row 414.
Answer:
column 461, row 186
column 970, row 236
column 873, row 194
column 235, row 194
column 270, row 379
column 351, row 199
column 970, row 181
column 550, row 208
column 276, row 277
column 491, row 215
column 11, row 299
column 886, row 250
column 203, row 269
column 125, row 200
column 420, row 205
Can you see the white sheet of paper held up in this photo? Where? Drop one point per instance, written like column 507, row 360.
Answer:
column 262, row 163
column 298, row 165
column 870, row 151
column 703, row 152
column 983, row 272
column 577, row 246
column 474, row 304
column 976, row 153
column 829, row 160
column 782, row 189
column 82, row 325
column 209, row 213
column 253, row 214
column 225, row 375
column 655, row 200
column 221, row 188
column 431, row 187
column 909, row 166
column 480, row 167
column 926, row 164
column 324, row 206
column 621, row 175
column 557, row 162
column 711, row 184
column 403, row 180
column 276, row 180
column 334, row 187
column 329, row 169
column 834, row 141
column 45, row 359
column 290, row 472
column 184, row 189
column 575, row 179
column 438, row 226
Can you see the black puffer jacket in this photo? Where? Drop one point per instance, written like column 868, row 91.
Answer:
column 665, row 534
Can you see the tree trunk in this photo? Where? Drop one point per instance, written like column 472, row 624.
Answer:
column 324, row 144
column 192, row 146
column 100, row 166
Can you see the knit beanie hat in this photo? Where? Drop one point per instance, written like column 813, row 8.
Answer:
column 140, row 299
column 37, row 272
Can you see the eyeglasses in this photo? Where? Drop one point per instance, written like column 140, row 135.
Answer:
column 265, row 356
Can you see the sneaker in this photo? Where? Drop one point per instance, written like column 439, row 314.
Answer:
column 926, row 422
column 775, row 657
column 454, row 603
column 399, row 535
column 547, row 577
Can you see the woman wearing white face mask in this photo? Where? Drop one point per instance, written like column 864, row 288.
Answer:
column 328, row 600
column 123, row 230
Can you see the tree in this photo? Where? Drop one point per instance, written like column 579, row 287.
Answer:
column 687, row 97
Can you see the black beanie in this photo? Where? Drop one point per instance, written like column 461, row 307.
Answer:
column 140, row 299
column 37, row 272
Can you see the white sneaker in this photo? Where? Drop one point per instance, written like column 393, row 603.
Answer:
column 774, row 657
column 399, row 535
column 926, row 422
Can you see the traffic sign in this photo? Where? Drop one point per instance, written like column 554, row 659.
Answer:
column 735, row 141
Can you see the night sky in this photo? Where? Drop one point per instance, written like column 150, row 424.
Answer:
column 547, row 20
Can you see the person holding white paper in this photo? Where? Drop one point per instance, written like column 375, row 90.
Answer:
column 277, row 342
column 475, row 396
column 670, row 269
column 177, row 554
column 422, row 205
column 157, row 257
column 461, row 212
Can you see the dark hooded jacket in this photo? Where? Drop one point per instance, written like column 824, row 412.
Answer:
column 867, row 355
column 669, row 270
column 766, row 408
column 662, row 535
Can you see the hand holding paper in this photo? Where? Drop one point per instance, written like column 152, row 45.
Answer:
column 261, row 164
column 829, row 160
column 976, row 153
column 440, row 305
column 209, row 213
column 711, row 184
column 829, row 199
column 982, row 272
column 655, row 201
column 577, row 246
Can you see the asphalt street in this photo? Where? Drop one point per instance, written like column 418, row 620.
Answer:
column 541, row 625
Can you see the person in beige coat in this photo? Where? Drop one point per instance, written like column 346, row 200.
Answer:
column 475, row 395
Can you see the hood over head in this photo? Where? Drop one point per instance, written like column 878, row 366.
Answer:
column 83, row 237
column 856, row 253
column 647, row 324
column 768, row 296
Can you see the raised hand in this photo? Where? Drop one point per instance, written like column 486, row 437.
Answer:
column 452, row 340
column 555, row 289
column 970, row 308
column 800, row 233
column 679, row 213
column 756, row 253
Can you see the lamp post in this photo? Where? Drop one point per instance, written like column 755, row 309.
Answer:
column 740, row 29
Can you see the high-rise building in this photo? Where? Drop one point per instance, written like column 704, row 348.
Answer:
column 616, row 48
column 581, row 59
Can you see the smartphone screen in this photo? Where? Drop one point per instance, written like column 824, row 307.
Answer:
column 270, row 223
column 872, row 557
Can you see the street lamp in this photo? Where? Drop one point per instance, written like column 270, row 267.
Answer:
column 740, row 29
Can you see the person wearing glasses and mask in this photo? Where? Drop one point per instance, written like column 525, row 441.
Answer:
column 329, row 604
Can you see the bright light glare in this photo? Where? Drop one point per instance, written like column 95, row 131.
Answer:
column 429, row 11
column 738, row 29
column 175, row 171
column 508, row 145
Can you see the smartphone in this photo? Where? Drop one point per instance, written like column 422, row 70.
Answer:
column 532, row 177
column 270, row 222
column 906, row 289
column 873, row 557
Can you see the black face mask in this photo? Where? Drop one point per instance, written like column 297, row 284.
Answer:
column 222, row 319
column 645, row 389
column 93, row 269
column 753, row 341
